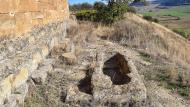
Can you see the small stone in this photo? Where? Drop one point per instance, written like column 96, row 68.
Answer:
column 20, row 78
column 77, row 75
column 69, row 58
column 17, row 97
column 39, row 77
column 45, row 51
column 12, row 82
column 54, row 42
column 31, row 39
column 37, row 58
column 5, row 88
column 73, row 94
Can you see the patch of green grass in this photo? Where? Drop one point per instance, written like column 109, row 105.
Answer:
column 179, row 11
column 185, row 32
column 183, row 90
column 165, row 81
column 145, row 56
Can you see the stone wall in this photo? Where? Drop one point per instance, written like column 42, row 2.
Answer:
column 19, row 16
column 20, row 57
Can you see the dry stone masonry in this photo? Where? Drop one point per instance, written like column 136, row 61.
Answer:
column 43, row 26
column 21, row 57
column 19, row 16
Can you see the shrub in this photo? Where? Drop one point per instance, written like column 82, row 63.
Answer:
column 86, row 15
column 151, row 19
column 99, row 5
column 131, row 9
column 106, row 14
column 155, row 20
column 83, row 6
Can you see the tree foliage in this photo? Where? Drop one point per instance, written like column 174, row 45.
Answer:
column 107, row 14
column 83, row 6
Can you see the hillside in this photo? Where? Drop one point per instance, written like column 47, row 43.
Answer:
column 134, row 63
column 71, row 63
column 173, row 2
column 170, row 2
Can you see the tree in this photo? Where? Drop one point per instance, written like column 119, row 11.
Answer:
column 99, row 5
column 118, row 1
column 145, row 2
column 83, row 6
column 106, row 14
column 86, row 6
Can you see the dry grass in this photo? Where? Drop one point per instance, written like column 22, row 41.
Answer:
column 137, row 33
column 134, row 32
column 46, row 95
column 158, row 42
column 172, row 74
column 151, row 38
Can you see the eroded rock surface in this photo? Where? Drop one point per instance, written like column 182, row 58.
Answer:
column 118, row 83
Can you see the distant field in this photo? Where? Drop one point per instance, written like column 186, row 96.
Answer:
column 178, row 11
column 176, row 18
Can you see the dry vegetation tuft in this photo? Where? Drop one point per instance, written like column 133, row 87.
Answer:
column 49, row 94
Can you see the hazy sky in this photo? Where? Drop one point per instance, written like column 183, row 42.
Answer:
column 81, row 1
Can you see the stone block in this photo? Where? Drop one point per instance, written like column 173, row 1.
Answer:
column 39, row 76
column 24, row 6
column 18, row 96
column 19, row 16
column 69, row 58
column 23, row 22
column 7, row 24
column 7, row 21
column 7, row 6
column 11, row 83
column 20, row 78
column 45, row 51
column 5, row 88
column 37, row 58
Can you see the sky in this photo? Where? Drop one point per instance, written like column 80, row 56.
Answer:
column 81, row 1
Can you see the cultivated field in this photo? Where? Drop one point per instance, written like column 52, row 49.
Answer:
column 176, row 18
